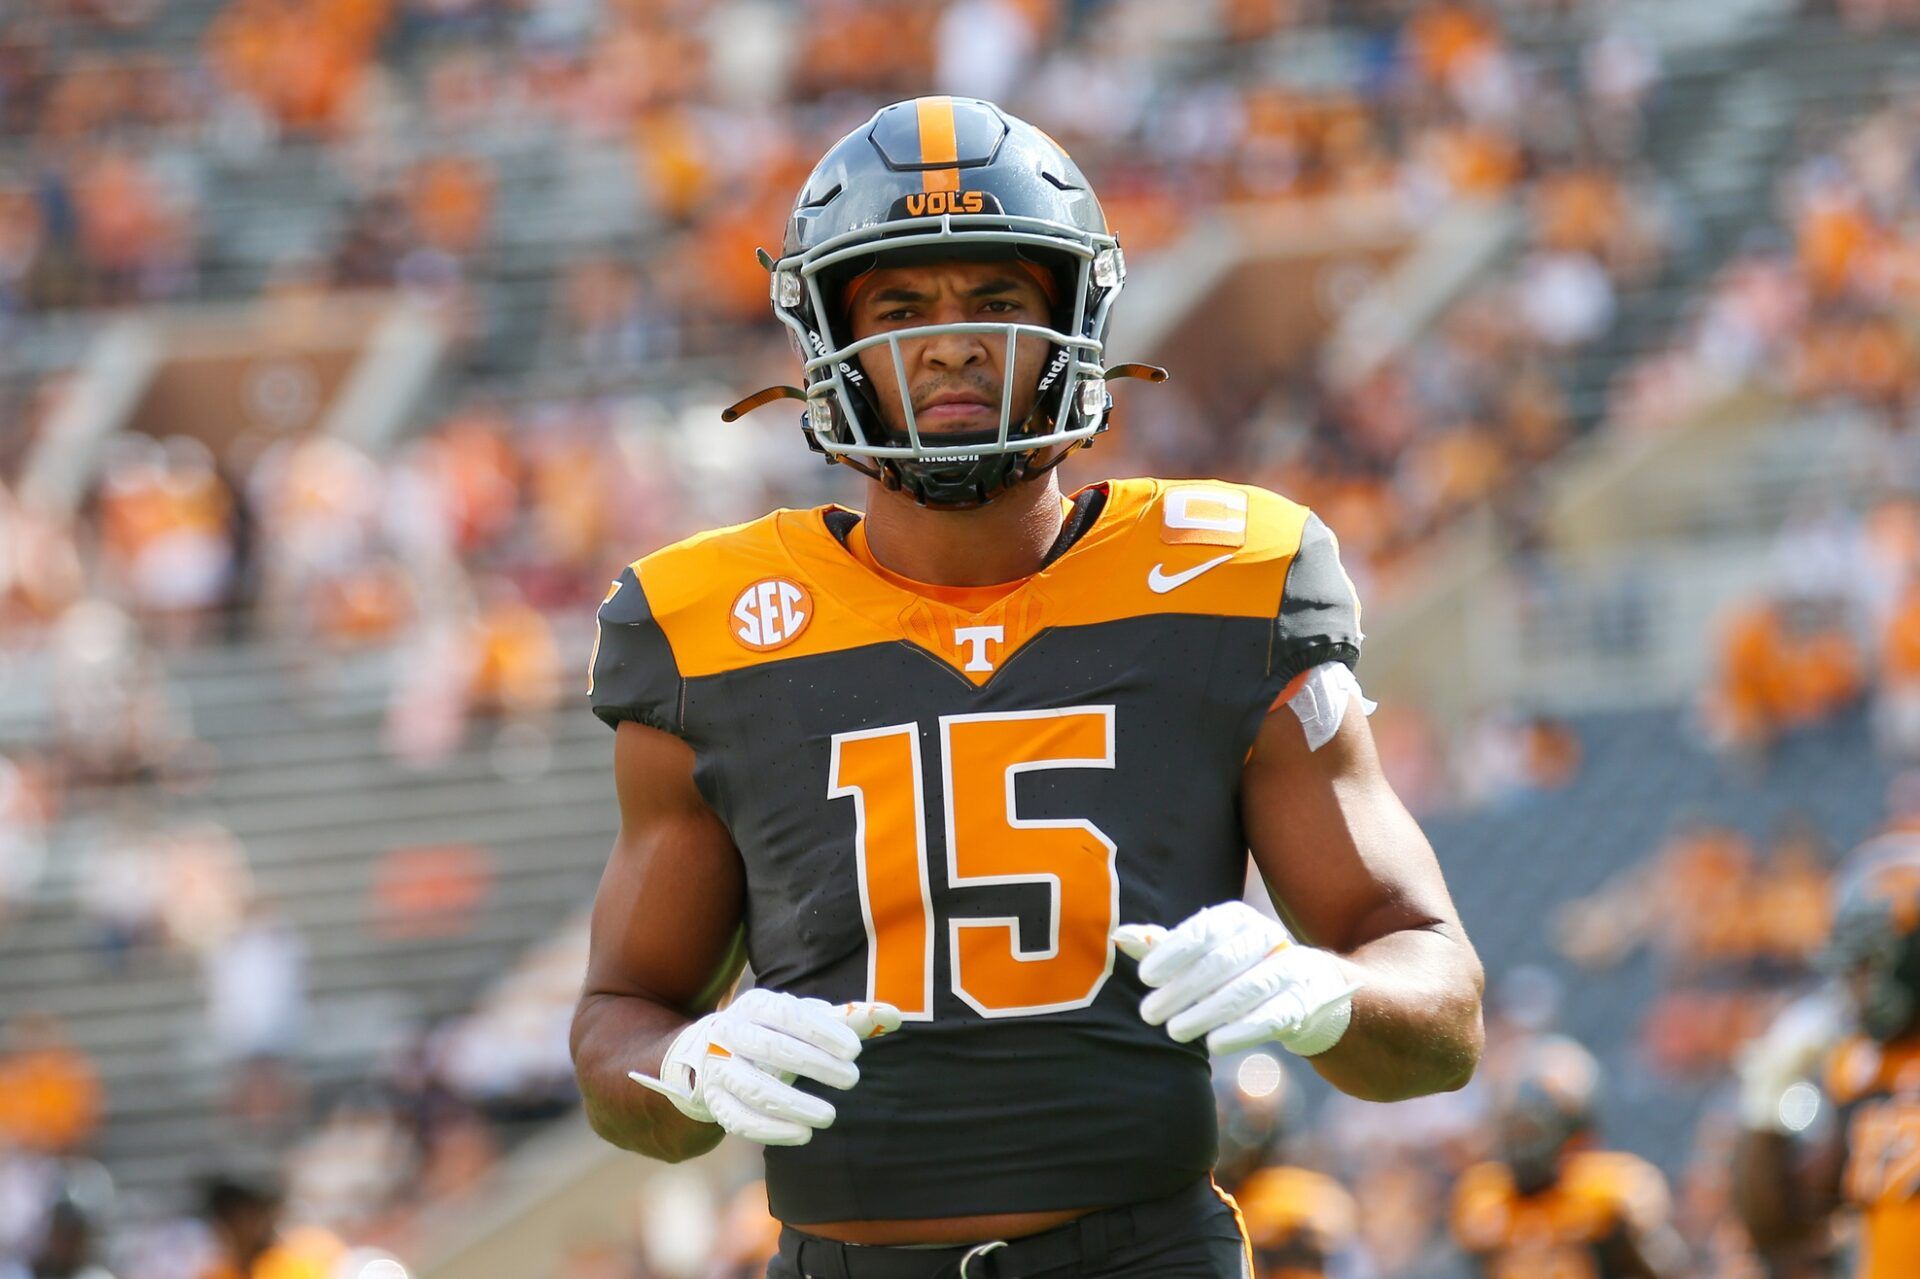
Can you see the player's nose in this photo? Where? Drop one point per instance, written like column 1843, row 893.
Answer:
column 949, row 351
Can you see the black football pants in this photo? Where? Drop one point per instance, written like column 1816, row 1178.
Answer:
column 1194, row 1234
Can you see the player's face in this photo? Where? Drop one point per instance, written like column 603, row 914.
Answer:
column 955, row 379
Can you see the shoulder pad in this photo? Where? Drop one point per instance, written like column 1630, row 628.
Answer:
column 631, row 674
column 1319, row 618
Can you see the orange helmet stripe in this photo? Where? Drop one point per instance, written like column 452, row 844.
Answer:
column 938, row 144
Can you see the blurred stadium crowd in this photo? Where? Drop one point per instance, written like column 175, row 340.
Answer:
column 473, row 553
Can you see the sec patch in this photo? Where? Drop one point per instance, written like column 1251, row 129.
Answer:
column 771, row 614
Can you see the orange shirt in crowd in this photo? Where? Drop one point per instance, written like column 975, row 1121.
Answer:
column 1580, row 211
column 1770, row 680
column 519, row 660
column 1442, row 39
column 1900, row 645
column 50, row 1099
column 305, row 1253
column 299, row 59
column 451, row 199
column 1834, row 234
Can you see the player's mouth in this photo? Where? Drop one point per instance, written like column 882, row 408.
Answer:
column 957, row 410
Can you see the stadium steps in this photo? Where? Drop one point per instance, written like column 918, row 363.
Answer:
column 1723, row 126
column 1512, row 866
column 306, row 788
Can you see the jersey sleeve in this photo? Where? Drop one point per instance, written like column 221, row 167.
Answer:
column 632, row 674
column 1319, row 617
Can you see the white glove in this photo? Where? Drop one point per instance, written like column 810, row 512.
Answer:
column 736, row 1067
column 1784, row 1054
column 1237, row 977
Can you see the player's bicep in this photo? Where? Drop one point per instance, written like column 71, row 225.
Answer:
column 667, row 916
column 1345, row 860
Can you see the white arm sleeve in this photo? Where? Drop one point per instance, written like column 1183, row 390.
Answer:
column 1322, row 701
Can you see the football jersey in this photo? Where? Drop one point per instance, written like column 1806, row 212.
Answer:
column 949, row 810
column 1296, row 1221
column 1875, row 1088
column 1561, row 1232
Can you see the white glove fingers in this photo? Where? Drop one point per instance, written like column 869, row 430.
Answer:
column 776, row 1051
column 747, row 1083
column 868, row 1019
column 742, row 1120
column 1230, row 1002
column 812, row 1021
column 1227, row 960
column 1135, row 940
column 1236, row 1035
column 1172, row 954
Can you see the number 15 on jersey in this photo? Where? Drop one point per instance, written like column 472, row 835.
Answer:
column 987, row 842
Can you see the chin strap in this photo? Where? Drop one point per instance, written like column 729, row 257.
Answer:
column 1145, row 372
column 759, row 400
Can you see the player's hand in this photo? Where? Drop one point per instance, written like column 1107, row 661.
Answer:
column 1238, row 977
column 1787, row 1052
column 736, row 1067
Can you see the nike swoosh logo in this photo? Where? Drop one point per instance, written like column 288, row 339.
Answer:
column 1159, row 581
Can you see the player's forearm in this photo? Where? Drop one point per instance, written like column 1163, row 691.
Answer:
column 614, row 1034
column 1416, row 1020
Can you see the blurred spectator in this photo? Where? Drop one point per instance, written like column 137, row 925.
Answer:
column 247, row 1240
column 1897, row 706
column 68, row 1248
column 50, row 1096
column 114, row 718
column 256, row 990
column 120, row 888
column 352, row 1167
column 518, row 671
column 433, row 890
column 205, row 885
column 27, row 809
column 749, row 1236
column 1783, row 663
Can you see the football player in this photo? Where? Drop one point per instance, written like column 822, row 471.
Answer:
column 971, row 777
column 1300, row 1222
column 1552, row 1205
column 1844, row 1150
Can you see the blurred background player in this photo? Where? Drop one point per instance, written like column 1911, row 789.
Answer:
column 1301, row 1223
column 1836, row 1167
column 1552, row 1204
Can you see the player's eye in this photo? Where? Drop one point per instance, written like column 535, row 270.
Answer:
column 897, row 315
column 1000, row 306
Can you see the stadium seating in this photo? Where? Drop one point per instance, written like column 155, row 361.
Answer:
column 311, row 796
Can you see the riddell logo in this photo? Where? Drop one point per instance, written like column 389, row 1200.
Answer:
column 1054, row 369
column 771, row 614
column 819, row 345
column 933, row 204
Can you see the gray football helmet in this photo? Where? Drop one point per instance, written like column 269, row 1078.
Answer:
column 937, row 179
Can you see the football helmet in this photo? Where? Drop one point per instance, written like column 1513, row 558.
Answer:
column 1874, row 944
column 940, row 179
column 1545, row 1103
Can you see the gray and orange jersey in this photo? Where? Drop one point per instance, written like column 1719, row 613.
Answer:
column 949, row 810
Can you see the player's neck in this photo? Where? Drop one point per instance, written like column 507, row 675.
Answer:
column 1003, row 541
